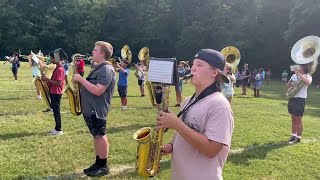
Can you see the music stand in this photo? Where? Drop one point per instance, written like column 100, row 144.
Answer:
column 163, row 70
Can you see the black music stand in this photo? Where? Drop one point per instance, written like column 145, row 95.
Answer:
column 163, row 70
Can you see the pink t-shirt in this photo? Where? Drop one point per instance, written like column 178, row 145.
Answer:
column 213, row 117
column 58, row 75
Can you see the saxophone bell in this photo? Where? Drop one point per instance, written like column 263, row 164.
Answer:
column 150, row 144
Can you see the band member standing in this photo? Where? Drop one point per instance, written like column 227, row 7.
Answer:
column 227, row 88
column 141, row 72
column 181, row 74
column 297, row 104
column 246, row 73
column 188, row 71
column 203, row 131
column 258, row 83
column 123, row 70
column 284, row 76
column 15, row 64
column 96, row 93
column 35, row 69
column 80, row 66
column 56, row 85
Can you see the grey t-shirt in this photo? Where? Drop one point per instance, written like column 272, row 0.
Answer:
column 98, row 105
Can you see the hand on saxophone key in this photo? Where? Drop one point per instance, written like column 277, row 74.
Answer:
column 76, row 78
column 166, row 149
column 168, row 120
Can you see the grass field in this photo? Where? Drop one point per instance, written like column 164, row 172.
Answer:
column 259, row 149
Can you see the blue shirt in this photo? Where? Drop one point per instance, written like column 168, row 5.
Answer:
column 123, row 77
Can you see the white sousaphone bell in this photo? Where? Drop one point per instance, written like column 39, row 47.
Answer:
column 305, row 51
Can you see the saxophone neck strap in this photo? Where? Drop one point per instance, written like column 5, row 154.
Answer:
column 95, row 69
column 208, row 91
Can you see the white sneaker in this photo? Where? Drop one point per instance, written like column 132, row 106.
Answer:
column 52, row 130
column 55, row 133
column 123, row 107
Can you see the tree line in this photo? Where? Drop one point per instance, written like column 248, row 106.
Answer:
column 263, row 30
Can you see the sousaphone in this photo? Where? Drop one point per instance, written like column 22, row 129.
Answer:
column 305, row 51
column 232, row 56
column 126, row 53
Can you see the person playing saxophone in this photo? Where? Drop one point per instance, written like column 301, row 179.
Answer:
column 205, row 124
column 96, row 93
column 56, row 86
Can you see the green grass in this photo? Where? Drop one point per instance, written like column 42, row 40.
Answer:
column 258, row 147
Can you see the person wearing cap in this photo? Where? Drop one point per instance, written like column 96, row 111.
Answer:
column 246, row 73
column 181, row 74
column 204, row 128
column 56, row 86
column 123, row 70
column 80, row 66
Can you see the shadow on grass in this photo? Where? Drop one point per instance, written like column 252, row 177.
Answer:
column 256, row 151
column 15, row 113
column 13, row 98
column 129, row 96
column 19, row 135
column 122, row 172
column 63, row 177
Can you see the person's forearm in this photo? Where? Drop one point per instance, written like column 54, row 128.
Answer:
column 305, row 80
column 91, row 87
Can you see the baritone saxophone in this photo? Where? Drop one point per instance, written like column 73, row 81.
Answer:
column 74, row 93
column 150, row 143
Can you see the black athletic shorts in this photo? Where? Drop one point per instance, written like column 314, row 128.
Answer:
column 122, row 90
column 296, row 106
column 97, row 127
column 140, row 82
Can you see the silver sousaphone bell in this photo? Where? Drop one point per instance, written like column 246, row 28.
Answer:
column 305, row 51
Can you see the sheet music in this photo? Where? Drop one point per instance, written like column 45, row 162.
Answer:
column 160, row 71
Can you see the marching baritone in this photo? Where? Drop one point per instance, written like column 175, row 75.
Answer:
column 204, row 128
column 96, row 93
column 141, row 73
column 36, row 64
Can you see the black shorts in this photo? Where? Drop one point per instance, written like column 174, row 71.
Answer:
column 122, row 90
column 158, row 98
column 296, row 106
column 245, row 82
column 97, row 127
column 140, row 82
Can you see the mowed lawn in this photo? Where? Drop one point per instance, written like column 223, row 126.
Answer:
column 259, row 149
